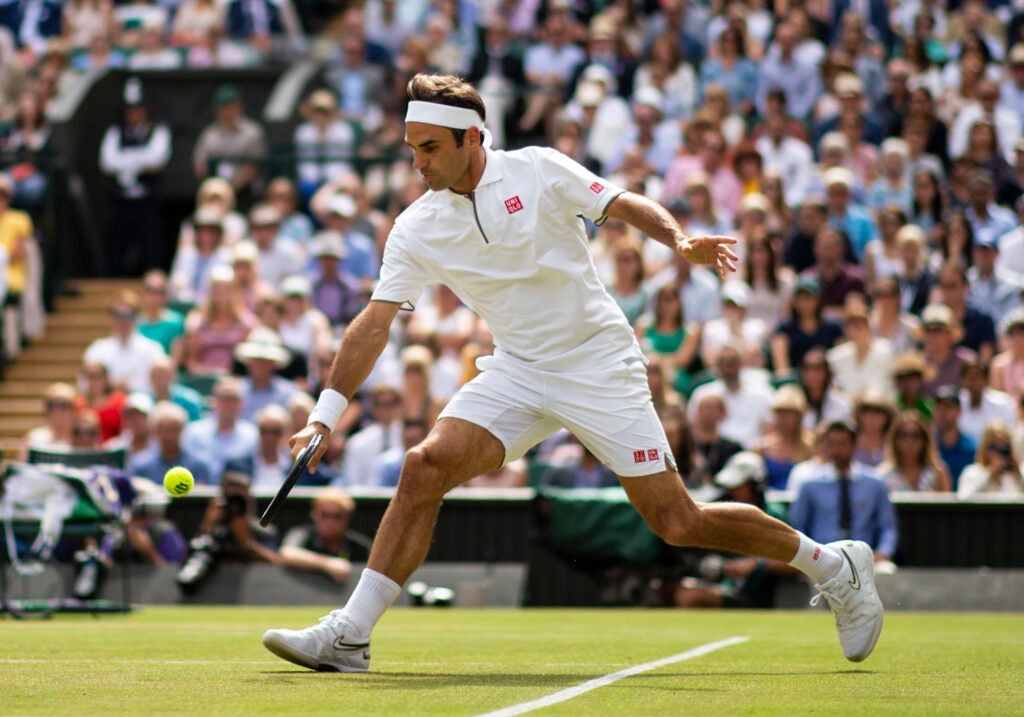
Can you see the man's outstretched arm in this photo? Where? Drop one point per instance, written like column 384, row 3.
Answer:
column 363, row 341
column 654, row 220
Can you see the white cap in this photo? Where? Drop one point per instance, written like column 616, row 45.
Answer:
column 743, row 467
column 650, row 96
column 328, row 243
column 343, row 205
column 737, row 292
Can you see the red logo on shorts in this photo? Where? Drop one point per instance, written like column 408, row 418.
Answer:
column 513, row 205
column 652, row 454
column 639, row 456
column 597, row 187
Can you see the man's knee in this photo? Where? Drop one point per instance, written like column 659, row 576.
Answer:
column 677, row 527
column 423, row 476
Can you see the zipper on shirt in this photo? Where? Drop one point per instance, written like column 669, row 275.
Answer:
column 472, row 200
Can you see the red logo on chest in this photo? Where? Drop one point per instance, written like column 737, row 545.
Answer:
column 597, row 187
column 513, row 204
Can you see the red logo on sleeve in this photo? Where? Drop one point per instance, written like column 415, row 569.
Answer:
column 639, row 456
column 597, row 187
column 513, row 205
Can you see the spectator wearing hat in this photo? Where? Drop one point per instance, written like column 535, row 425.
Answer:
column 806, row 328
column 167, row 421
column 304, row 329
column 849, row 91
column 786, row 443
column 1008, row 367
column 360, row 259
column 277, row 257
column 943, row 357
column 847, row 501
column 324, row 143
column 135, row 435
column 262, row 354
column 335, row 293
column 873, row 413
column 916, row 279
column 194, row 263
column 248, row 285
column 956, row 449
column 222, row 435
column 981, row 404
column 844, row 213
column 862, row 362
column 163, row 380
column 908, row 371
column 731, row 580
column 734, row 328
column 59, row 401
column 657, row 139
column 893, row 186
column 134, row 154
column 994, row 291
column 232, row 147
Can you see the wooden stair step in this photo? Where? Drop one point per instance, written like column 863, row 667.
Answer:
column 108, row 287
column 22, row 370
column 10, row 448
column 21, row 406
column 54, row 354
column 71, row 336
column 78, row 320
column 14, row 426
column 22, row 389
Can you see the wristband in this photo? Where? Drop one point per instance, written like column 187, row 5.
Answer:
column 328, row 408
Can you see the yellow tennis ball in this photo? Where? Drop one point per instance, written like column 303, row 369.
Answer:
column 179, row 481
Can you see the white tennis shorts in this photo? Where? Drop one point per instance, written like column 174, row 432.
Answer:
column 609, row 410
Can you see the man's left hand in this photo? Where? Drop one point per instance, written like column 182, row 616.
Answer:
column 711, row 250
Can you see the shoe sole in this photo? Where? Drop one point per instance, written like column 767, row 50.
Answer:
column 287, row 652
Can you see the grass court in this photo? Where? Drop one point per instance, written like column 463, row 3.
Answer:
column 209, row 661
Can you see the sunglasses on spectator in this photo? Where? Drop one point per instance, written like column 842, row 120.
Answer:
column 123, row 314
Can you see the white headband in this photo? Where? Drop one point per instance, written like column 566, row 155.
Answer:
column 443, row 115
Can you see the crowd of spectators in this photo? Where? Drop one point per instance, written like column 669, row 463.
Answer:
column 869, row 158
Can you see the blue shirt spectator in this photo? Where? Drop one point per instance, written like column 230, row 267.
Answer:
column 223, row 435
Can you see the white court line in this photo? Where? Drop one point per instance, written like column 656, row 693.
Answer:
column 569, row 693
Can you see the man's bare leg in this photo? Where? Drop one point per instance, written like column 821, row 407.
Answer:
column 665, row 504
column 453, row 452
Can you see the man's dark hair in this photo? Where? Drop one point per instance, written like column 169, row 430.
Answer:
column 447, row 90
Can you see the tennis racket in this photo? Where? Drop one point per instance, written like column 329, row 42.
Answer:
column 289, row 481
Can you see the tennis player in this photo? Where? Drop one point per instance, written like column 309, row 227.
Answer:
column 503, row 230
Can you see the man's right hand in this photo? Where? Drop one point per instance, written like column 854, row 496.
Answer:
column 301, row 439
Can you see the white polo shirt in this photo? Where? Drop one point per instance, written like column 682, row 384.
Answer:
column 516, row 252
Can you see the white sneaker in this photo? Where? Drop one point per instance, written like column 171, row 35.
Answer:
column 330, row 645
column 854, row 601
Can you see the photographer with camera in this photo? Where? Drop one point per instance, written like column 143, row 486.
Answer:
column 327, row 544
column 730, row 580
column 229, row 532
column 996, row 468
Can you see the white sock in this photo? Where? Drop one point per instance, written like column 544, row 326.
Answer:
column 817, row 561
column 373, row 595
